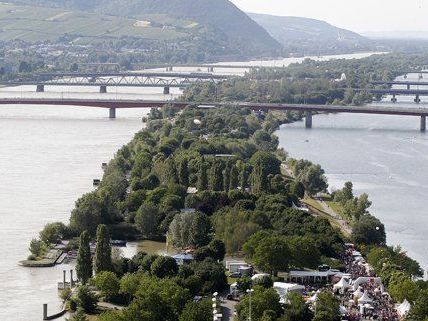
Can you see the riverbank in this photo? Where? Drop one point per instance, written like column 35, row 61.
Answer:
column 378, row 154
column 50, row 156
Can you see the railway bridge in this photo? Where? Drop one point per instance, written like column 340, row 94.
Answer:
column 164, row 80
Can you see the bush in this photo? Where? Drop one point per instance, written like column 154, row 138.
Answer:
column 108, row 284
column 65, row 294
column 86, row 299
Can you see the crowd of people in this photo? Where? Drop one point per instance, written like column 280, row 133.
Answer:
column 376, row 304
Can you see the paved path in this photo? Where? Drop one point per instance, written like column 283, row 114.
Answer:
column 343, row 224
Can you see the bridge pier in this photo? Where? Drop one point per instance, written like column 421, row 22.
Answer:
column 40, row 88
column 308, row 119
column 45, row 311
column 394, row 99
column 417, row 99
column 166, row 90
column 112, row 113
column 423, row 123
column 103, row 89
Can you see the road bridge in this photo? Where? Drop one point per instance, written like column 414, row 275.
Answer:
column 408, row 84
column 397, row 92
column 112, row 105
column 113, row 79
column 207, row 67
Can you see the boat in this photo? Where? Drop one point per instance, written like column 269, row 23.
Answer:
column 119, row 243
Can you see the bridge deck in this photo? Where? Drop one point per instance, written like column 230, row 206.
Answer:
column 392, row 91
column 396, row 110
column 399, row 82
column 192, row 75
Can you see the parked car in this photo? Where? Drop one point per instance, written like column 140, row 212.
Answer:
column 235, row 275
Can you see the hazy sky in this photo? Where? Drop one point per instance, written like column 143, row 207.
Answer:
column 356, row 15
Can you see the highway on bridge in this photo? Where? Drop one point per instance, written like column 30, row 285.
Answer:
column 112, row 105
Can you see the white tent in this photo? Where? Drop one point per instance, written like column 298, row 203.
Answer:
column 259, row 276
column 365, row 298
column 358, row 293
column 313, row 298
column 283, row 288
column 404, row 308
column 342, row 310
column 366, row 279
column 341, row 286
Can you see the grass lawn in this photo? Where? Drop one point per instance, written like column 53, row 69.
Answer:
column 313, row 203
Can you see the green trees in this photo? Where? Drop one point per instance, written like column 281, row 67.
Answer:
column 272, row 255
column 304, row 252
column 86, row 299
column 378, row 257
column 353, row 207
column 79, row 315
column 234, row 227
column 327, row 307
column 226, row 177
column 234, row 178
column 84, row 261
column 87, row 213
column 147, row 220
column 369, row 230
column 216, row 176
column 313, row 179
column 189, row 229
column 245, row 176
column 157, row 300
column 36, row 248
column 419, row 310
column 202, row 184
column 197, row 311
column 53, row 232
column 403, row 288
column 272, row 252
column 264, row 164
column 215, row 250
column 183, row 172
column 164, row 266
column 102, row 259
column 262, row 300
column 108, row 283
column 296, row 309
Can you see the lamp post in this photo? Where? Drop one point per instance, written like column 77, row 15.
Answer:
column 249, row 291
column 214, row 299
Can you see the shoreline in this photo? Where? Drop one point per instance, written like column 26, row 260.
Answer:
column 395, row 244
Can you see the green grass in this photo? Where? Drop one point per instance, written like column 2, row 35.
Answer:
column 313, row 203
column 31, row 23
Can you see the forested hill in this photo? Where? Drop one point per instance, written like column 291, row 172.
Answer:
column 304, row 35
column 220, row 18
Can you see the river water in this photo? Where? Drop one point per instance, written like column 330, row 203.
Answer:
column 49, row 156
column 384, row 156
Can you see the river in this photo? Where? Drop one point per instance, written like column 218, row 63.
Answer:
column 49, row 156
column 384, row 156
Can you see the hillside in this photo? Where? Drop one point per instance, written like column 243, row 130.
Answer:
column 32, row 24
column 304, row 35
column 219, row 22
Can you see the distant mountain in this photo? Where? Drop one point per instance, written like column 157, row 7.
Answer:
column 219, row 19
column 306, row 35
column 398, row 34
